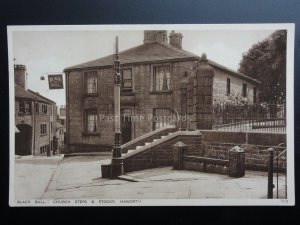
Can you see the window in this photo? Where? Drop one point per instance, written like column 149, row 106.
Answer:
column 36, row 108
column 126, row 112
column 161, row 78
column 91, row 80
column 162, row 118
column 44, row 109
column 43, row 149
column 43, row 128
column 254, row 94
column 25, row 107
column 228, row 86
column 244, row 90
column 22, row 107
column 127, row 80
column 91, row 121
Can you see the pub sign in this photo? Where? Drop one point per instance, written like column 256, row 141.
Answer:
column 55, row 81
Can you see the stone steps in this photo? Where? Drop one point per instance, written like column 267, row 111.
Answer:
column 147, row 143
column 129, row 151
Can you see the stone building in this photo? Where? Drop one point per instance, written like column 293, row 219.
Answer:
column 62, row 115
column 154, row 76
column 59, row 140
column 35, row 118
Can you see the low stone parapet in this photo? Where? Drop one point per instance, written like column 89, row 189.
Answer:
column 234, row 166
column 160, row 153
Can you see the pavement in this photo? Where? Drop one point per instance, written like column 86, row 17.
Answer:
column 33, row 174
column 79, row 177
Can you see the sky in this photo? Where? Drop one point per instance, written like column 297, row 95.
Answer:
column 46, row 52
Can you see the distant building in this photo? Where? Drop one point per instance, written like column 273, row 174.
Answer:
column 151, row 79
column 62, row 115
column 35, row 118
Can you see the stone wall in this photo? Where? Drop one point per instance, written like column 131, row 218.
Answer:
column 79, row 147
column 236, row 86
column 146, row 100
column 218, row 143
column 41, row 140
column 202, row 98
column 78, row 102
column 162, row 154
column 35, row 120
column 142, row 101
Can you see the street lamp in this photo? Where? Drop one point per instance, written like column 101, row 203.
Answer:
column 117, row 167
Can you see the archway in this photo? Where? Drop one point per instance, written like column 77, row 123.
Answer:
column 23, row 140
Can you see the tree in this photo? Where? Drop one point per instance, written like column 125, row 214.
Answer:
column 266, row 61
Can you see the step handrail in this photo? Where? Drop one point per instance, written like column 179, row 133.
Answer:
column 140, row 138
column 167, row 138
column 281, row 145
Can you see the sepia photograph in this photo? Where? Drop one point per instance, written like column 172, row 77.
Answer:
column 151, row 115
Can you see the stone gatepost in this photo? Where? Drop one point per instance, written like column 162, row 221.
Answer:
column 202, row 98
column 236, row 162
column 178, row 150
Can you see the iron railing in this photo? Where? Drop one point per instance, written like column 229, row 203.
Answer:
column 249, row 117
column 279, row 170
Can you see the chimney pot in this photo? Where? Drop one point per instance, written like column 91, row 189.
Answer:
column 176, row 39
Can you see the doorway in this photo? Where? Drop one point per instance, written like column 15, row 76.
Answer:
column 126, row 125
column 23, row 140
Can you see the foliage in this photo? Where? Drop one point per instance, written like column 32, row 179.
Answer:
column 235, row 99
column 266, row 61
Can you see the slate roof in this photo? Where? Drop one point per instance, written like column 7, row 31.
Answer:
column 42, row 97
column 147, row 52
column 231, row 71
column 150, row 52
column 30, row 95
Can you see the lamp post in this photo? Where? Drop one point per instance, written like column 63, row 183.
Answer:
column 117, row 160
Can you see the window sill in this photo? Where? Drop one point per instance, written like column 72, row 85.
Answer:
column 90, row 134
column 23, row 114
column 127, row 93
column 90, row 95
column 43, row 135
column 161, row 92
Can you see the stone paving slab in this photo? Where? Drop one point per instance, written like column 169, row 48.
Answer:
column 80, row 177
column 32, row 175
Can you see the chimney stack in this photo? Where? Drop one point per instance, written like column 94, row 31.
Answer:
column 20, row 75
column 155, row 36
column 176, row 39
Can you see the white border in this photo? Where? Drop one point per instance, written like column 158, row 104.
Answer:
column 290, row 27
